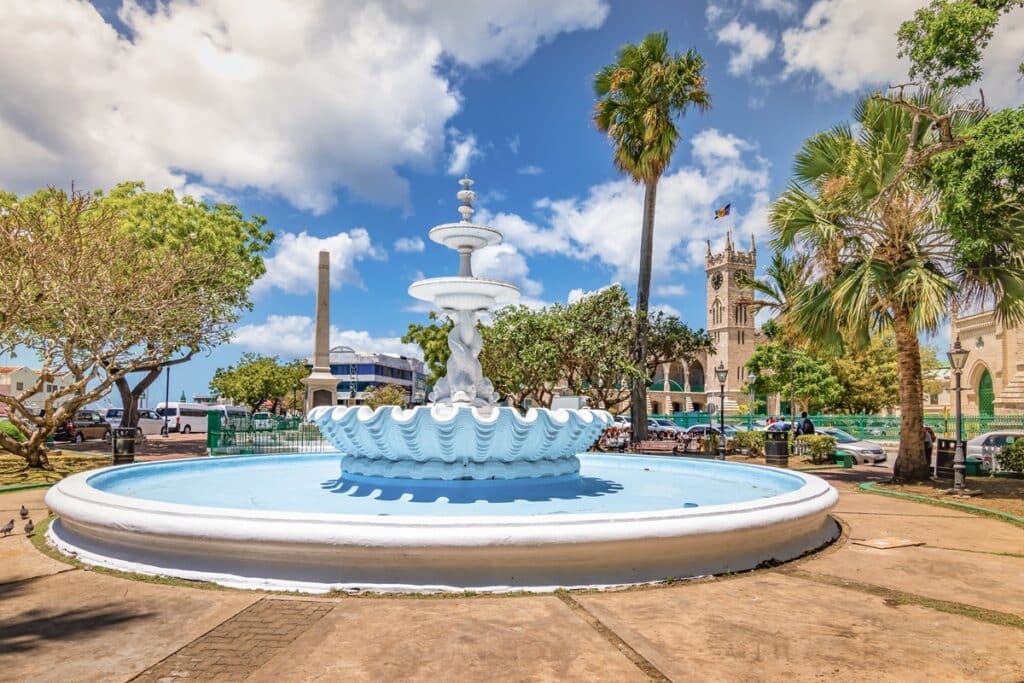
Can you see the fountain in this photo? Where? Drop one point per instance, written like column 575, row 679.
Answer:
column 459, row 494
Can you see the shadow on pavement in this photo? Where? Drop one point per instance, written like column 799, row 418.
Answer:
column 32, row 628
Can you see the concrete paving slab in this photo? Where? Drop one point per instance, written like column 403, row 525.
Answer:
column 879, row 516
column 771, row 627
column 18, row 559
column 85, row 626
column 989, row 581
column 480, row 639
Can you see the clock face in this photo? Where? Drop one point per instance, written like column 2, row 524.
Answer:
column 737, row 274
column 716, row 280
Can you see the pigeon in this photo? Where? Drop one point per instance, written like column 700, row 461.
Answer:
column 29, row 528
column 8, row 528
column 24, row 512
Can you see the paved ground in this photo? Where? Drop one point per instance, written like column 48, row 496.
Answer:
column 154, row 447
column 949, row 610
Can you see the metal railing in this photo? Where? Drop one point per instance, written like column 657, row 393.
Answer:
column 240, row 436
column 875, row 427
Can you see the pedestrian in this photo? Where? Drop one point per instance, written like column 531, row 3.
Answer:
column 929, row 440
column 806, row 426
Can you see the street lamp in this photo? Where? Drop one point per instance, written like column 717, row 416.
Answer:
column 167, row 400
column 722, row 373
column 957, row 360
column 751, row 378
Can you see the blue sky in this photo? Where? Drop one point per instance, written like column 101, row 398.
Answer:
column 347, row 125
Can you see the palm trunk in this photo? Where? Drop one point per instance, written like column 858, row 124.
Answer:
column 911, row 465
column 638, row 410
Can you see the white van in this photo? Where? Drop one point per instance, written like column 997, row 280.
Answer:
column 229, row 412
column 183, row 417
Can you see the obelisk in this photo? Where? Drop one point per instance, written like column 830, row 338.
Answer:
column 321, row 385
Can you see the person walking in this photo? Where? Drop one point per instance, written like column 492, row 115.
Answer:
column 805, row 424
column 929, row 440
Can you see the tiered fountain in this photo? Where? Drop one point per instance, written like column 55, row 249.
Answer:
column 460, row 494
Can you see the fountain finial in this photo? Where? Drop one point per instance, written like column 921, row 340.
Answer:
column 466, row 196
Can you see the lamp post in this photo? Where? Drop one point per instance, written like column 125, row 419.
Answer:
column 957, row 360
column 722, row 373
column 751, row 378
column 167, row 399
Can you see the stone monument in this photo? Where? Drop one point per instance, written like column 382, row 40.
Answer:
column 321, row 385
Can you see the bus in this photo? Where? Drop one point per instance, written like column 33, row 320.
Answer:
column 183, row 417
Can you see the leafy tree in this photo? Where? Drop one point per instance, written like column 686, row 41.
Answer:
column 780, row 369
column 932, row 383
column 868, row 375
column 945, row 40
column 864, row 207
column 386, row 395
column 91, row 300
column 522, row 352
column 433, row 339
column 669, row 340
column 257, row 379
column 641, row 95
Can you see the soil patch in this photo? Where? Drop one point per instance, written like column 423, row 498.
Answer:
column 1004, row 494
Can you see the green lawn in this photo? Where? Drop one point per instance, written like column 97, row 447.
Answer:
column 14, row 471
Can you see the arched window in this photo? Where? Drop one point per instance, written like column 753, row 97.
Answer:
column 986, row 395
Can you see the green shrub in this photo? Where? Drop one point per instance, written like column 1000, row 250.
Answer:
column 820, row 447
column 752, row 442
column 1012, row 457
column 8, row 428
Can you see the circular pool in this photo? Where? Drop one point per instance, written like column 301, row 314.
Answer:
column 293, row 522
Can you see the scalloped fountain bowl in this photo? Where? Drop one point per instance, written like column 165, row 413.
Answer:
column 300, row 522
column 447, row 442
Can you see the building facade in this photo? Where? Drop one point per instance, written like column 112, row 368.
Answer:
column 678, row 387
column 357, row 372
column 993, row 379
column 15, row 380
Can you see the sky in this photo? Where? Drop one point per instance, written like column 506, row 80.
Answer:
column 348, row 124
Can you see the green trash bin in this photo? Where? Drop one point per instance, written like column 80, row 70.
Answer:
column 972, row 468
column 845, row 459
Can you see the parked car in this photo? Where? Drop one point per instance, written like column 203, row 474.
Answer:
column 863, row 452
column 702, row 430
column 149, row 422
column 667, row 427
column 263, row 420
column 985, row 447
column 183, row 417
column 86, row 424
column 623, row 421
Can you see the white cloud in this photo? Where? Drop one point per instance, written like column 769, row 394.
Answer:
column 409, row 244
column 292, row 99
column 464, row 150
column 530, row 170
column 513, row 144
column 781, row 7
column 667, row 309
column 504, row 262
column 293, row 266
column 850, row 45
column 604, row 225
column 752, row 46
column 669, row 290
column 578, row 293
column 291, row 336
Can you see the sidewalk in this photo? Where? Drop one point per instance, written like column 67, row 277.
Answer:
column 950, row 610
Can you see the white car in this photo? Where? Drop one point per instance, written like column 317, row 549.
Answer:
column 149, row 422
column 985, row 447
column 262, row 421
column 863, row 452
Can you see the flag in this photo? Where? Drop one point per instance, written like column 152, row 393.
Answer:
column 723, row 212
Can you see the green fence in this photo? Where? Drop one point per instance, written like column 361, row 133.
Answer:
column 239, row 436
column 876, row 427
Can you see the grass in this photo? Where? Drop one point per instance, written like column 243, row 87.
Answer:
column 15, row 472
column 1003, row 494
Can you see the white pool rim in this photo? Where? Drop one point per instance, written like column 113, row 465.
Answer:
column 318, row 552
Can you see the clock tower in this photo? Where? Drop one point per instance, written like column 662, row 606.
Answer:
column 730, row 319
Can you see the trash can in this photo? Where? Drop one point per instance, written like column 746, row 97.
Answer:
column 123, row 445
column 972, row 467
column 845, row 459
column 776, row 448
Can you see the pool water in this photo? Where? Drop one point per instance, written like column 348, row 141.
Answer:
column 313, row 483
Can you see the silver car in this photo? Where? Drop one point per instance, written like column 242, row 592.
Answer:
column 985, row 447
column 863, row 452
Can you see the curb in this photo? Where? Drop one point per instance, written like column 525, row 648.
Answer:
column 25, row 487
column 869, row 487
column 819, row 467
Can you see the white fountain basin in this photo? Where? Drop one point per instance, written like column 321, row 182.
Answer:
column 459, row 442
column 464, row 235
column 272, row 522
column 464, row 293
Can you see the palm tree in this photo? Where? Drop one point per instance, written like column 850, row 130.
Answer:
column 777, row 292
column 640, row 96
column 882, row 259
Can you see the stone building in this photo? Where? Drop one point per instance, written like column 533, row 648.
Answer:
column 15, row 380
column 993, row 379
column 730, row 322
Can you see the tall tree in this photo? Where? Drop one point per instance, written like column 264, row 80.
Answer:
column 885, row 260
column 219, row 233
column 90, row 300
column 640, row 97
column 433, row 340
column 255, row 380
column 810, row 379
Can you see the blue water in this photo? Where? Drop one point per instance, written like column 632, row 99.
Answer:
column 313, row 483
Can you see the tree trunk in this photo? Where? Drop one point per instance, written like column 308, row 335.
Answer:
column 130, row 395
column 638, row 409
column 911, row 465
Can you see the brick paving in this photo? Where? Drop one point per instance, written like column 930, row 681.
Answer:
column 241, row 645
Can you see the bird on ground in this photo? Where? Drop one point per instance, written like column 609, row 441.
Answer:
column 29, row 528
column 7, row 528
column 24, row 512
